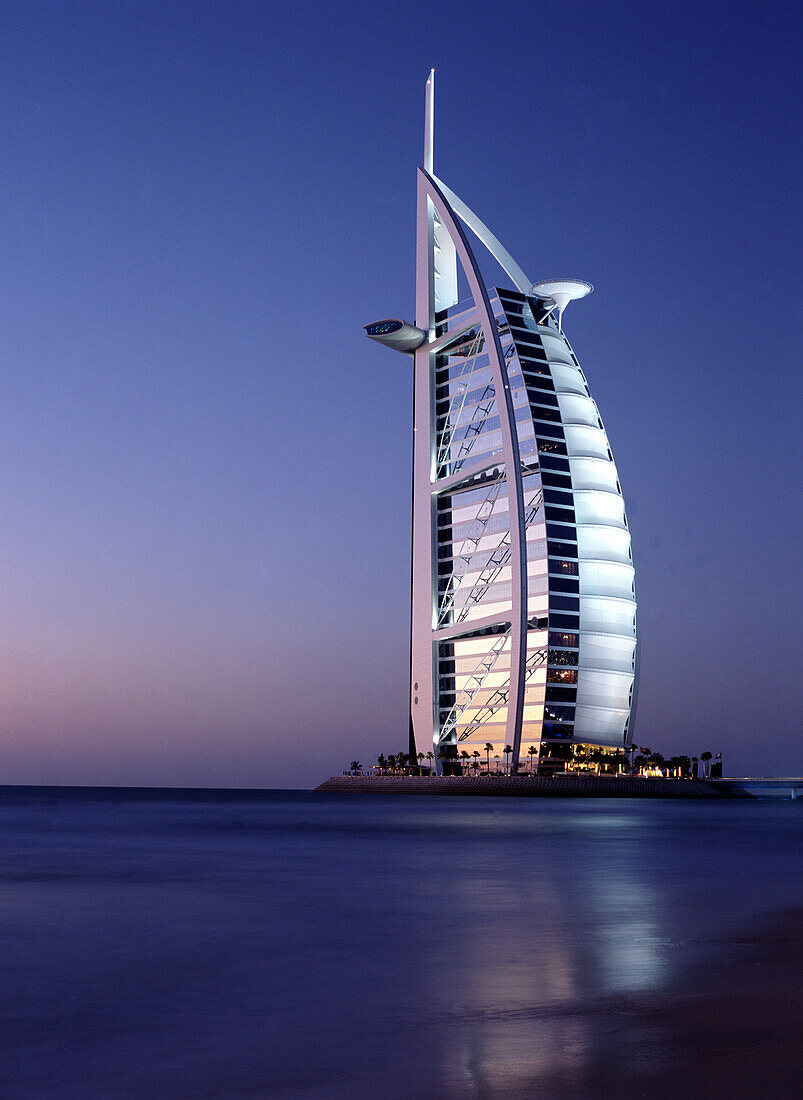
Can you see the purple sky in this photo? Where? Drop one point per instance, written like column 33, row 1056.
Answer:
column 204, row 466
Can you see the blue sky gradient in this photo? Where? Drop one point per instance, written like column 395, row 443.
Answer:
column 204, row 466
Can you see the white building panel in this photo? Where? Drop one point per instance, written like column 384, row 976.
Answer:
column 604, row 615
column 598, row 726
column 578, row 409
column 600, row 543
column 595, row 506
column 556, row 348
column 606, row 651
column 601, row 578
column 567, row 378
column 583, row 440
column 593, row 473
column 604, row 689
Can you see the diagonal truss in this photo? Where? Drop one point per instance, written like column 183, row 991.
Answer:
column 497, row 561
column 472, row 685
column 468, row 549
column 480, row 414
column 499, row 697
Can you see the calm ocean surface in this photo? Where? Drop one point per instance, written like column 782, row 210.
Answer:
column 205, row 944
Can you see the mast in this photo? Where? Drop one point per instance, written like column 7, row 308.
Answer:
column 429, row 123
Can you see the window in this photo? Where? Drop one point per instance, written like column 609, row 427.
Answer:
column 555, row 496
column 556, row 481
column 553, row 462
column 560, row 656
column 553, row 445
column 563, row 622
column 561, row 694
column 558, row 713
column 554, row 430
column 562, row 533
column 562, row 549
column 524, row 336
column 543, row 385
column 564, row 584
column 565, row 603
column 561, row 639
column 563, row 568
column 561, row 675
column 545, row 414
column 551, row 730
column 543, row 399
column 560, row 515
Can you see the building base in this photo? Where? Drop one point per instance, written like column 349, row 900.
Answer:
column 530, row 786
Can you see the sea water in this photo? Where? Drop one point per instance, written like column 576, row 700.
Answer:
column 205, row 944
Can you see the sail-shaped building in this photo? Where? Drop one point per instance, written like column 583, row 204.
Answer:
column 523, row 589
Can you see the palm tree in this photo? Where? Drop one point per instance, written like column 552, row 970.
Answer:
column 419, row 758
column 507, row 750
column 465, row 758
column 496, row 761
column 476, row 756
column 392, row 761
column 706, row 757
column 355, row 766
column 488, row 750
column 430, row 757
column 382, row 760
column 531, row 753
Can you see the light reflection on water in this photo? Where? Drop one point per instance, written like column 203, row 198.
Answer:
column 326, row 946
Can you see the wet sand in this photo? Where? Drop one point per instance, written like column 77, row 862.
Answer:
column 731, row 1028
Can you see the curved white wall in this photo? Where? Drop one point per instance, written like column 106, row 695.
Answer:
column 606, row 662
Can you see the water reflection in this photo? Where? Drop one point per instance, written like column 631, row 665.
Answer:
column 335, row 946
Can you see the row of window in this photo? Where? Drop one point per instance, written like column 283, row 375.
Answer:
column 554, row 431
column 552, row 446
column 561, row 676
column 562, row 657
column 560, row 515
column 559, row 496
column 561, row 621
column 556, row 480
column 555, row 462
column 564, row 603
column 562, row 550
column 556, row 713
column 561, row 535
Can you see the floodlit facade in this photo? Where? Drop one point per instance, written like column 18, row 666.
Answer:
column 523, row 587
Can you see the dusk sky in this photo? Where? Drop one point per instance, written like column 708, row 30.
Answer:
column 205, row 466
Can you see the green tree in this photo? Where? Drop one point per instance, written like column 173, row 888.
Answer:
column 355, row 766
column 488, row 750
column 430, row 757
column 382, row 761
column 507, row 750
column 531, row 752
column 419, row 758
column 465, row 758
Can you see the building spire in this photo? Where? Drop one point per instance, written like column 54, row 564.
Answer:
column 429, row 123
